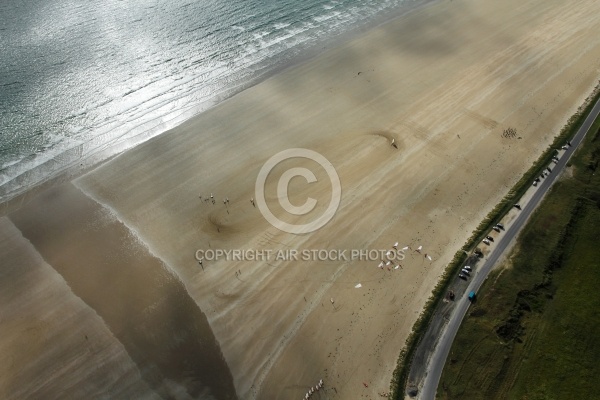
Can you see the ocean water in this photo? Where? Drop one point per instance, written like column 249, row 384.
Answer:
column 81, row 81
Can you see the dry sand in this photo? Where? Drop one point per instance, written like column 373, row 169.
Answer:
column 444, row 82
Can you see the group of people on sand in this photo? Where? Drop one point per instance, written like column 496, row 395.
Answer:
column 383, row 264
column 211, row 199
column 313, row 389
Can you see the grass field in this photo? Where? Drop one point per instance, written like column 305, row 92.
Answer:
column 533, row 333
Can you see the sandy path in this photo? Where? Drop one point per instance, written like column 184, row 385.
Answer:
column 444, row 82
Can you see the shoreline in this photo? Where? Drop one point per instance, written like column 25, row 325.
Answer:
column 102, row 155
column 442, row 82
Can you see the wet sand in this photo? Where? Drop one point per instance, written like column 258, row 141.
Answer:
column 444, row 82
column 144, row 306
column 50, row 338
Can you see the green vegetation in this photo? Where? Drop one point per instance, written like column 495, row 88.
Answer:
column 399, row 377
column 533, row 332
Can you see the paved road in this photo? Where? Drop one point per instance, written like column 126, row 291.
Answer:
column 438, row 358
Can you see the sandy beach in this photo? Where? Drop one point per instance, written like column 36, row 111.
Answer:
column 52, row 341
column 443, row 82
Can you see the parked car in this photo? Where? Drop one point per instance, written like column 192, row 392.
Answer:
column 463, row 277
column 496, row 228
column 500, row 225
column 468, row 268
column 518, row 206
column 465, row 272
column 486, row 241
column 491, row 239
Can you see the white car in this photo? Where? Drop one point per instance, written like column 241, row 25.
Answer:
column 486, row 241
column 468, row 268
